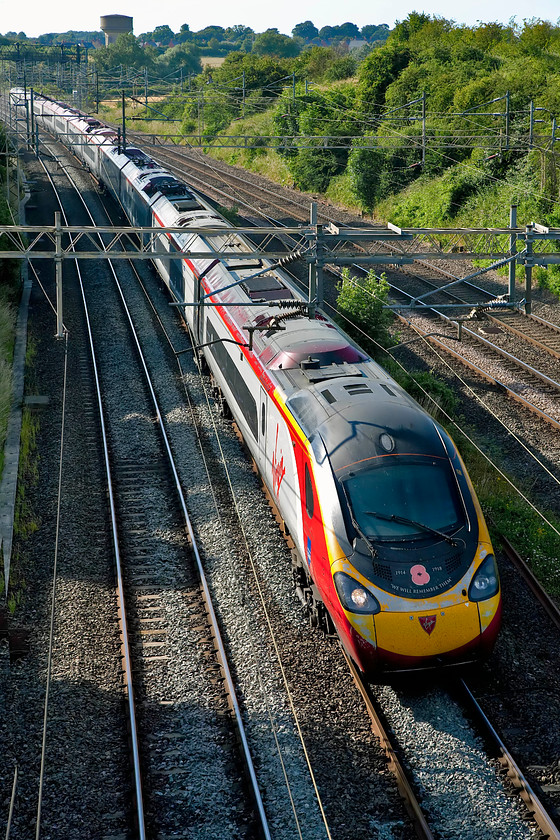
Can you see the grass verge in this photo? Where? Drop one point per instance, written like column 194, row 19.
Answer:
column 25, row 519
column 509, row 514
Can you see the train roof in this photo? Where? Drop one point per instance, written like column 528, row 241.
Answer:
column 383, row 420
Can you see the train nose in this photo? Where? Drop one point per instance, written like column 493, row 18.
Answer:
column 427, row 633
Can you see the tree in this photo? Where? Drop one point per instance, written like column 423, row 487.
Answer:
column 186, row 56
column 184, row 34
column 348, row 30
column 316, row 114
column 163, row 35
column 306, row 30
column 313, row 168
column 372, row 32
column 365, row 167
column 315, row 62
column 343, row 67
column 327, row 33
column 272, row 42
column 377, row 72
column 405, row 28
column 262, row 73
column 204, row 35
column 126, row 51
column 238, row 33
column 536, row 36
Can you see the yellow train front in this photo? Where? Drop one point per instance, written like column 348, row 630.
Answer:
column 413, row 581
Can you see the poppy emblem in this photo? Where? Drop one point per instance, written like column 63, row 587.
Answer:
column 419, row 575
column 427, row 623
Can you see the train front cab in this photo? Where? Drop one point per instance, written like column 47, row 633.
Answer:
column 458, row 627
column 412, row 565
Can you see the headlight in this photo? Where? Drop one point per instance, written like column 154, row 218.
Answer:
column 485, row 582
column 353, row 596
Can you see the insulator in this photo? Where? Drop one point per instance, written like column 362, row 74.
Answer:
column 495, row 304
column 286, row 316
column 290, row 258
column 289, row 304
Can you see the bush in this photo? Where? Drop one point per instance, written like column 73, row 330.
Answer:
column 313, row 168
column 424, row 382
column 342, row 68
column 360, row 304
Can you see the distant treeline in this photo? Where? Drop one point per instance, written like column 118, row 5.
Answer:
column 217, row 40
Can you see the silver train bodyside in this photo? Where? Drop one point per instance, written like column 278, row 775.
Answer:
column 390, row 545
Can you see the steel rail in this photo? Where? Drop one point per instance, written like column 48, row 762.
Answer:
column 200, row 166
column 537, row 810
column 548, row 324
column 525, row 336
column 194, row 547
column 508, row 357
column 532, row 802
column 489, row 378
column 544, row 599
column 206, row 590
column 546, row 380
column 389, row 246
column 395, row 765
column 125, row 645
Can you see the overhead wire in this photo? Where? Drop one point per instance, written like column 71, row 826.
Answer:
column 510, row 432
column 274, row 727
column 518, row 440
column 416, row 142
column 469, row 389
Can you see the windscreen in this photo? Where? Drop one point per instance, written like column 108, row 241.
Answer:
column 420, row 491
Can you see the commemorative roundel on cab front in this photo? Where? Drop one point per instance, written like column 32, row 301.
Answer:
column 419, row 575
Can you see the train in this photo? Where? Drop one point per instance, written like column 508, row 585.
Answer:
column 390, row 549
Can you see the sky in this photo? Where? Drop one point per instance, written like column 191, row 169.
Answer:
column 36, row 17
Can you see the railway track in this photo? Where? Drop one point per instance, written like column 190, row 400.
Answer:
column 128, row 481
column 423, row 783
column 164, row 606
column 542, row 334
column 432, row 709
column 454, row 757
column 209, row 179
column 291, row 798
column 422, row 821
column 524, row 383
column 534, row 807
column 527, row 378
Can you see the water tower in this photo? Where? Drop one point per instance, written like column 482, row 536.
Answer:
column 115, row 25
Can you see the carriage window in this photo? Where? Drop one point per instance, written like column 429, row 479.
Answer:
column 237, row 385
column 309, row 500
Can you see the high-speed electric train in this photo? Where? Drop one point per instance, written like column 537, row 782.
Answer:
column 390, row 545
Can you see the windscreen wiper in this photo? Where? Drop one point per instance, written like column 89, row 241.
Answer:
column 392, row 517
column 355, row 525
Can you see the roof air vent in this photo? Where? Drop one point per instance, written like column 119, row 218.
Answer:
column 357, row 388
column 387, row 389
